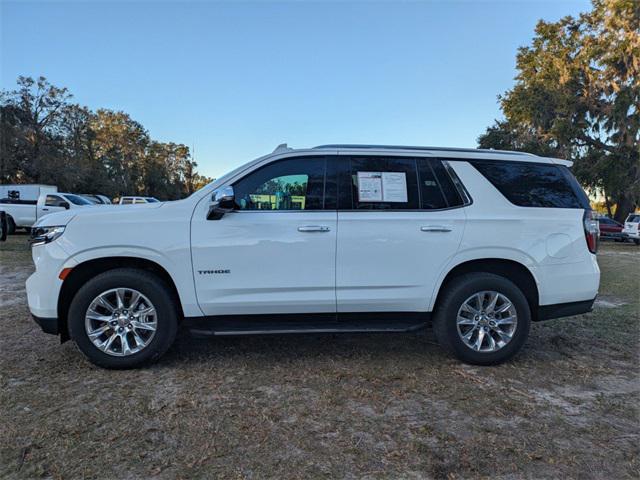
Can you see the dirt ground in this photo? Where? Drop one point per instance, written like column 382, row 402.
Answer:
column 328, row 406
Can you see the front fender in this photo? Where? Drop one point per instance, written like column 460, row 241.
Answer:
column 179, row 271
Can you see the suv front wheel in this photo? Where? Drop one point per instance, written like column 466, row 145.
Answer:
column 482, row 318
column 123, row 318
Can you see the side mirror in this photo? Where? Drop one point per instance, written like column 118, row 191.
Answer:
column 65, row 205
column 222, row 201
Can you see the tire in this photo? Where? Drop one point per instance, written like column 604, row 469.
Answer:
column 637, row 242
column 462, row 289
column 152, row 290
column 11, row 225
column 3, row 226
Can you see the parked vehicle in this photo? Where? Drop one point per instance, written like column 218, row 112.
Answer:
column 21, row 194
column 3, row 226
column 479, row 243
column 632, row 228
column 136, row 200
column 25, row 191
column 610, row 229
column 24, row 213
column 97, row 199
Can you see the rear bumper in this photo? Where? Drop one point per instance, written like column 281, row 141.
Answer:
column 547, row 312
column 48, row 325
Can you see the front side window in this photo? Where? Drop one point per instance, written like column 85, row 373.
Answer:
column 53, row 201
column 127, row 201
column 292, row 184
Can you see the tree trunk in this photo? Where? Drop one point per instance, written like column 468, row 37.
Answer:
column 624, row 206
column 607, row 203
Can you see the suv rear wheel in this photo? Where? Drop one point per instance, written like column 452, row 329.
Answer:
column 123, row 318
column 482, row 318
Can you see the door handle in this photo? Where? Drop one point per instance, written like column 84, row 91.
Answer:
column 45, row 209
column 313, row 228
column 435, row 229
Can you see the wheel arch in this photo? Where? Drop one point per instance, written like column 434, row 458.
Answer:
column 512, row 270
column 88, row 269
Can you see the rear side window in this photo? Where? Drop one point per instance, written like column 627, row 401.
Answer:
column 436, row 188
column 384, row 183
column 528, row 184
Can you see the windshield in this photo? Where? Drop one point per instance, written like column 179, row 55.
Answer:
column 76, row 200
column 633, row 218
column 152, row 200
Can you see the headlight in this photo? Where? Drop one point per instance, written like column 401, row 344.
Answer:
column 42, row 235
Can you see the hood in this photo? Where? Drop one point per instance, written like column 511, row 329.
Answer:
column 63, row 218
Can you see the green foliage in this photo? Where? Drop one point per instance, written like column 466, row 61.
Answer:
column 45, row 138
column 577, row 96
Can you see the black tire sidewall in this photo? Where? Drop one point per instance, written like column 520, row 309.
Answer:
column 11, row 225
column 150, row 286
column 461, row 289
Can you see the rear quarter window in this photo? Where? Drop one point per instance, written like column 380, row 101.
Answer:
column 527, row 184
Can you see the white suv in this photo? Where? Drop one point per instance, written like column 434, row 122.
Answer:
column 631, row 228
column 337, row 238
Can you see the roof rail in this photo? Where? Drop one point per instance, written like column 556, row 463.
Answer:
column 436, row 149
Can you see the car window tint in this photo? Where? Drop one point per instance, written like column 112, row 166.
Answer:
column 126, row 201
column 292, row 184
column 531, row 184
column 451, row 193
column 52, row 201
column 384, row 183
column 75, row 199
column 431, row 196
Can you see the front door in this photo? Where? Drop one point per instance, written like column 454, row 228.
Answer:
column 276, row 252
column 398, row 225
column 52, row 203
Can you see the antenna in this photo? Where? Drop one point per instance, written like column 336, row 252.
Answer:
column 282, row 148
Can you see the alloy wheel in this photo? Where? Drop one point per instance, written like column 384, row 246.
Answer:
column 487, row 321
column 121, row 321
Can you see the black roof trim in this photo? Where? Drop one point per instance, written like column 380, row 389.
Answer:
column 433, row 149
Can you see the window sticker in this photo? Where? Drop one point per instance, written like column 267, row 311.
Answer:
column 369, row 187
column 382, row 187
column 394, row 187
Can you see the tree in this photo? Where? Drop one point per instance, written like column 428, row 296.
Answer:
column 44, row 138
column 577, row 96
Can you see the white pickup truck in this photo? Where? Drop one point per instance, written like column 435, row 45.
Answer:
column 24, row 213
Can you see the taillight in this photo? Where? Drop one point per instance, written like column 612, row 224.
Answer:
column 591, row 230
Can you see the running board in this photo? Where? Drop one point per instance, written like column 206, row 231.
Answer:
column 309, row 323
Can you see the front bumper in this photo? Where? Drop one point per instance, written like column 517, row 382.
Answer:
column 43, row 286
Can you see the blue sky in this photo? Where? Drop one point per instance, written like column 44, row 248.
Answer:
column 234, row 79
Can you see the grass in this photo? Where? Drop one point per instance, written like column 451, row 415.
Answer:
column 328, row 406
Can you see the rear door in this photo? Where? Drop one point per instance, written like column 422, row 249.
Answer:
column 399, row 222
